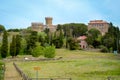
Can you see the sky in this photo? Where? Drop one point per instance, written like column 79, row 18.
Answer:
column 20, row 13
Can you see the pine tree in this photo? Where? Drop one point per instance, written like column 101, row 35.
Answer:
column 4, row 47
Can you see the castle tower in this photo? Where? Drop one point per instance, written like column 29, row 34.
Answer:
column 48, row 20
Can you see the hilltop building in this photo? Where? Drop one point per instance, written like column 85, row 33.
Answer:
column 38, row 26
column 101, row 25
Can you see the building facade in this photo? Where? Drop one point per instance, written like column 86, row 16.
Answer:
column 82, row 42
column 37, row 26
column 101, row 25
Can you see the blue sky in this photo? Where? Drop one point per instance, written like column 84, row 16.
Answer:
column 20, row 13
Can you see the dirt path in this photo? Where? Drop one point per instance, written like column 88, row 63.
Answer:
column 11, row 73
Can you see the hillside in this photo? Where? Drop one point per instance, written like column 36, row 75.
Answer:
column 78, row 65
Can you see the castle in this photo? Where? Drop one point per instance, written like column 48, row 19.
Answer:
column 101, row 25
column 38, row 26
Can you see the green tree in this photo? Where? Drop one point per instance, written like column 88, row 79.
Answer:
column 78, row 29
column 59, row 27
column 38, row 50
column 2, row 28
column 90, row 40
column 23, row 45
column 4, row 47
column 94, row 33
column 104, row 49
column 47, row 39
column 73, row 30
column 42, row 40
column 111, row 38
column 58, row 37
column 49, row 52
column 73, row 44
column 108, row 40
column 13, row 47
column 18, row 44
column 14, row 30
column 46, row 30
column 67, row 33
column 31, row 41
column 94, row 37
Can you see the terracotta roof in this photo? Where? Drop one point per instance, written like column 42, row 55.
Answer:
column 97, row 21
column 81, row 37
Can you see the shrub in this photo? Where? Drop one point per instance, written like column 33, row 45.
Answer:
column 1, row 63
column 49, row 52
column 104, row 49
column 37, row 51
column 111, row 49
column 73, row 44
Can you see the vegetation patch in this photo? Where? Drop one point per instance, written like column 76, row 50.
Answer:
column 2, row 69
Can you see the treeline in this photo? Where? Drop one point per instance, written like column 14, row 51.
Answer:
column 28, row 45
column 65, row 36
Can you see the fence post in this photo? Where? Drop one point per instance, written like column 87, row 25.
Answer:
column 24, row 76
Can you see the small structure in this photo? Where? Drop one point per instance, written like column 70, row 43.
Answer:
column 83, row 44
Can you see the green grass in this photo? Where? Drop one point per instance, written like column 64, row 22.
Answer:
column 78, row 65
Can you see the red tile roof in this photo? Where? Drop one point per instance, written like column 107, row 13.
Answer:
column 82, row 38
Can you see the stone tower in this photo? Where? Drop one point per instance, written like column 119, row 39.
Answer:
column 48, row 20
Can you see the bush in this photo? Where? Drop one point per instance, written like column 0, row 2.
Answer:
column 49, row 52
column 104, row 49
column 111, row 49
column 1, row 63
column 37, row 51
column 73, row 44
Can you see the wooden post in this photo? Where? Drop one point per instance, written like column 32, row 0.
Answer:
column 36, row 69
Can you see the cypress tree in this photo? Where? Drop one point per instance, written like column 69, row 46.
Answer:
column 41, row 40
column 31, row 42
column 4, row 47
column 58, row 37
column 13, row 47
column 18, row 44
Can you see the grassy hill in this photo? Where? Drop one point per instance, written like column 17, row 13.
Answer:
column 78, row 65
